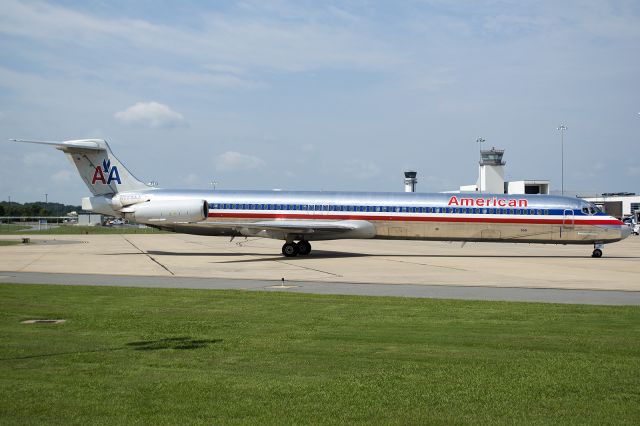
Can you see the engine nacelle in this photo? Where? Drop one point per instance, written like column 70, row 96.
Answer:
column 167, row 211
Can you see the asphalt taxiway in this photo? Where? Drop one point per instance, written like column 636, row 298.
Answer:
column 483, row 271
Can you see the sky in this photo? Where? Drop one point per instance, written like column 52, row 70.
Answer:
column 308, row 95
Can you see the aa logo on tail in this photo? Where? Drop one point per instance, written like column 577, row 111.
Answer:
column 111, row 172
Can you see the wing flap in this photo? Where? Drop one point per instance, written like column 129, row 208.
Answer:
column 292, row 226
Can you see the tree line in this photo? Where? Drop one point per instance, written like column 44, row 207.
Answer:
column 38, row 208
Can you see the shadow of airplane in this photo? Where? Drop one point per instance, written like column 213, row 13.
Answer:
column 172, row 343
column 326, row 254
column 180, row 343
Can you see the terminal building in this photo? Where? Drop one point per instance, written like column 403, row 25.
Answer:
column 617, row 204
column 491, row 177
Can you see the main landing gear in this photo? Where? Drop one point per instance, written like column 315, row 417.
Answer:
column 597, row 250
column 292, row 249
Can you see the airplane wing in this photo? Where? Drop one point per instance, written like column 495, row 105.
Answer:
column 295, row 226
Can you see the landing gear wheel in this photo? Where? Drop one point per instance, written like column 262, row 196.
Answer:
column 596, row 253
column 304, row 248
column 290, row 249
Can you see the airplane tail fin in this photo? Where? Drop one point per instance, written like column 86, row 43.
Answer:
column 100, row 170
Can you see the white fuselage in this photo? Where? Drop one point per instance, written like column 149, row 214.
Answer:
column 462, row 217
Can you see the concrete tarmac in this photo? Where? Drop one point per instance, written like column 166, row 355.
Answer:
column 403, row 268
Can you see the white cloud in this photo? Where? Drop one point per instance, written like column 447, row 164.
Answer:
column 37, row 158
column 633, row 171
column 362, row 169
column 61, row 176
column 232, row 160
column 150, row 114
column 266, row 41
column 190, row 179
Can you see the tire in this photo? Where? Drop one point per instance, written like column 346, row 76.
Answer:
column 597, row 253
column 304, row 248
column 290, row 249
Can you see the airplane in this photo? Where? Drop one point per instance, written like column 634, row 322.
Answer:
column 298, row 217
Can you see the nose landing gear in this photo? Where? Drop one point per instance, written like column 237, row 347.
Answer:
column 597, row 250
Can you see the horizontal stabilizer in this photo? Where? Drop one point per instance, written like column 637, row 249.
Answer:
column 89, row 144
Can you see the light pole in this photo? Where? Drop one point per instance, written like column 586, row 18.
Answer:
column 562, row 128
column 213, row 184
column 480, row 140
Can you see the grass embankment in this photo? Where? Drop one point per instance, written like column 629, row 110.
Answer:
column 76, row 230
column 160, row 356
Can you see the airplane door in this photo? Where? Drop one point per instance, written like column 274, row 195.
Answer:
column 568, row 219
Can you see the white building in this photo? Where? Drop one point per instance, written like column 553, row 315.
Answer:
column 89, row 219
column 491, row 177
column 617, row 204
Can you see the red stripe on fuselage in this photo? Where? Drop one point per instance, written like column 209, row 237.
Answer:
column 458, row 219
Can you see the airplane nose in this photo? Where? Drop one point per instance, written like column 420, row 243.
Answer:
column 625, row 230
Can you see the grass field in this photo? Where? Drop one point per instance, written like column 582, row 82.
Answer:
column 160, row 356
column 10, row 229
column 9, row 242
column 75, row 230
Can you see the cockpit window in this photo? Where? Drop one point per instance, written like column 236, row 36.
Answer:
column 590, row 209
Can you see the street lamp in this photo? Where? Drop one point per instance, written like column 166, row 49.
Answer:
column 562, row 128
column 480, row 140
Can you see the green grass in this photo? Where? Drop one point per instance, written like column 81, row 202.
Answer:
column 76, row 230
column 9, row 242
column 161, row 356
column 10, row 229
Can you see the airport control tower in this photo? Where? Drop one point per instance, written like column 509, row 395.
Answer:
column 491, row 178
column 410, row 181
